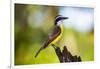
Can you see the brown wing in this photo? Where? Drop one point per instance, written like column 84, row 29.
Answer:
column 51, row 37
column 54, row 35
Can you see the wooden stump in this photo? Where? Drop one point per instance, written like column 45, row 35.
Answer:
column 65, row 55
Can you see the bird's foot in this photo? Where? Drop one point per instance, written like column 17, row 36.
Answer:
column 54, row 46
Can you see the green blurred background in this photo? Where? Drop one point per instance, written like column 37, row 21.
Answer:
column 33, row 23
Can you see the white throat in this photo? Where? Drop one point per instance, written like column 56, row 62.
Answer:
column 59, row 23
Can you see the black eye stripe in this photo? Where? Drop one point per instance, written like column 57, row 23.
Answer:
column 58, row 19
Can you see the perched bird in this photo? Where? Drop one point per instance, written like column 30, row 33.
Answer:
column 56, row 34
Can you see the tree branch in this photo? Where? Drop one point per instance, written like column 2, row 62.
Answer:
column 65, row 55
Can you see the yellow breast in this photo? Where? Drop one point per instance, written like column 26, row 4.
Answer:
column 58, row 38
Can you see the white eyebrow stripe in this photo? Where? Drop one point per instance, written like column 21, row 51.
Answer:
column 58, row 17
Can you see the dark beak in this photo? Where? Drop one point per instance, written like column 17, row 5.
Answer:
column 64, row 17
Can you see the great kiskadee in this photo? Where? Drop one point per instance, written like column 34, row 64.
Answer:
column 56, row 34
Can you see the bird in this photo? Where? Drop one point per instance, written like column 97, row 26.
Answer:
column 56, row 33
